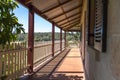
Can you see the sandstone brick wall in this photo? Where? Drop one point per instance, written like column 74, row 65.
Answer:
column 108, row 67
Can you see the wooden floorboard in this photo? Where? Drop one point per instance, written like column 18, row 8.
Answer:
column 66, row 66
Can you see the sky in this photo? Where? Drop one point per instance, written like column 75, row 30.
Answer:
column 40, row 24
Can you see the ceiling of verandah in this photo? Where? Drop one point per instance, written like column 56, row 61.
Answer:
column 65, row 14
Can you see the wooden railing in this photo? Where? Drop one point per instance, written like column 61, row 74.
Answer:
column 63, row 44
column 13, row 61
column 43, row 52
column 13, row 58
column 57, row 47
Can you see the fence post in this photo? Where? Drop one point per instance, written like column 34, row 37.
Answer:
column 30, row 39
column 53, row 38
column 60, row 39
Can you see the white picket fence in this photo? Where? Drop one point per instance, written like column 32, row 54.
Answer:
column 13, row 61
column 13, row 58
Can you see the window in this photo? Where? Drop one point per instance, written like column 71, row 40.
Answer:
column 97, row 24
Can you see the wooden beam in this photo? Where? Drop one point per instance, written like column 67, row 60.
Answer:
column 65, row 12
column 28, row 2
column 44, row 16
column 56, row 6
column 53, row 38
column 73, row 30
column 69, row 17
column 70, row 21
column 72, row 25
column 30, row 39
column 21, row 1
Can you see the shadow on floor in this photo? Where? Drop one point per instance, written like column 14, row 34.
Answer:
column 46, row 72
column 53, row 77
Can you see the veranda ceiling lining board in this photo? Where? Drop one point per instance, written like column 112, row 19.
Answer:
column 77, row 16
column 71, row 5
column 69, row 21
column 43, row 5
column 59, row 22
column 73, row 12
column 59, row 5
column 69, row 28
column 63, row 13
column 76, row 27
column 59, row 18
column 54, row 12
column 65, row 24
column 63, row 21
column 71, row 24
column 76, row 12
column 76, row 20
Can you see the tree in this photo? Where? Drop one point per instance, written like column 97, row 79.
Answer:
column 9, row 26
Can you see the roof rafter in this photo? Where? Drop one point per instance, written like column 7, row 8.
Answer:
column 73, row 19
column 68, row 27
column 71, row 27
column 78, row 22
column 71, row 24
column 73, row 30
column 28, row 2
column 60, row 4
column 76, row 14
column 65, row 12
column 69, row 21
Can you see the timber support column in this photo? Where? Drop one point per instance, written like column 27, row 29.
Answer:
column 53, row 38
column 65, row 39
column 60, row 40
column 30, row 39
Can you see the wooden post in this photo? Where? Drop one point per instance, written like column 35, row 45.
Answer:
column 60, row 39
column 53, row 38
column 0, row 64
column 30, row 39
column 65, row 39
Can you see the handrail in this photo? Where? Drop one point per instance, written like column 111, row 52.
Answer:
column 43, row 52
column 42, row 59
column 13, row 50
column 43, row 45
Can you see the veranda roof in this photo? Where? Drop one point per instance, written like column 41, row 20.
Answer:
column 65, row 14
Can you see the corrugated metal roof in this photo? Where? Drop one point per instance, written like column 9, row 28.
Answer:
column 66, row 14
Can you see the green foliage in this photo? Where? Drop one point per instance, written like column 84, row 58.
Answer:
column 73, row 36
column 41, row 36
column 9, row 26
column 47, row 36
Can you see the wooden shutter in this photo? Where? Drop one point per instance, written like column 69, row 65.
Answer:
column 100, row 25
